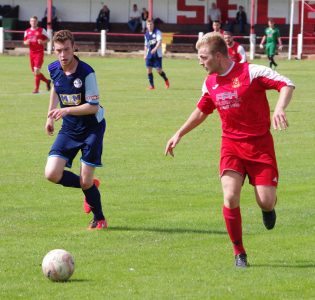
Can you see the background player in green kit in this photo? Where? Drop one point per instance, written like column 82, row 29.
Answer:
column 272, row 36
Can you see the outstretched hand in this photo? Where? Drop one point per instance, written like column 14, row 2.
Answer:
column 57, row 113
column 50, row 126
column 171, row 144
column 279, row 120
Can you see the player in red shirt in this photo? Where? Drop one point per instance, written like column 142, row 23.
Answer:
column 36, row 38
column 238, row 92
column 216, row 27
column 236, row 51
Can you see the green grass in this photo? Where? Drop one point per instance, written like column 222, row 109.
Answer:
column 167, row 238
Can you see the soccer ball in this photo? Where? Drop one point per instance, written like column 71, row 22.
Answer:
column 58, row 265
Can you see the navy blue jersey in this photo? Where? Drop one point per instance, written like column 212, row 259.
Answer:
column 150, row 41
column 76, row 89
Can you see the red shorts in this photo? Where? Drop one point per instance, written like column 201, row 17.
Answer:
column 37, row 60
column 254, row 157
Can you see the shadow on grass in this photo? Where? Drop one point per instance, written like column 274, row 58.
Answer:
column 69, row 281
column 164, row 230
column 78, row 280
column 309, row 265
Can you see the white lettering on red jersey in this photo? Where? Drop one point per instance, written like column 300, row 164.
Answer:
column 240, row 98
column 33, row 35
column 237, row 53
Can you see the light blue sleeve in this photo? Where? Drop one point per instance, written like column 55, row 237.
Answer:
column 159, row 38
column 92, row 95
column 91, row 89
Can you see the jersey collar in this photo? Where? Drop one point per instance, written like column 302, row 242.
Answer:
column 229, row 69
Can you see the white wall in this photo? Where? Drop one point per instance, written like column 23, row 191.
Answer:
column 281, row 9
column 87, row 10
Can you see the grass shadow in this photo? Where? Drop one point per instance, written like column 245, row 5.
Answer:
column 78, row 280
column 165, row 230
column 309, row 265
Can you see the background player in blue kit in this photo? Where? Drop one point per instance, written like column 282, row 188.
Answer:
column 83, row 126
column 153, row 53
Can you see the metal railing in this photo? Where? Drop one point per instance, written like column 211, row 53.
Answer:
column 168, row 37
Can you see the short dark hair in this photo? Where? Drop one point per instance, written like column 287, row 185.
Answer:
column 63, row 35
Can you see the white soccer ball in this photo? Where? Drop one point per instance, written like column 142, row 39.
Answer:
column 58, row 265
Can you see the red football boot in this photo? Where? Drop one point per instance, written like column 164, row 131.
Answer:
column 167, row 84
column 98, row 225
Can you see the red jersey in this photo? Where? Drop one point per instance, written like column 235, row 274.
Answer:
column 239, row 95
column 33, row 35
column 221, row 31
column 237, row 53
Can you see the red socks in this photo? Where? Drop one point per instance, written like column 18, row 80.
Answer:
column 37, row 81
column 38, row 78
column 233, row 222
column 43, row 78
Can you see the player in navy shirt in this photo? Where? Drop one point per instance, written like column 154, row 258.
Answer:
column 83, row 126
column 153, row 53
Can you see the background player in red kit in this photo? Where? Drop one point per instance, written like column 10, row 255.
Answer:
column 216, row 27
column 236, row 51
column 238, row 92
column 36, row 38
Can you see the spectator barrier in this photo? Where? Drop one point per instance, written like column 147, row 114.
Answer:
column 103, row 35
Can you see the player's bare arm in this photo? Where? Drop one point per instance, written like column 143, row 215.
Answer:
column 280, row 43
column 81, row 110
column 53, row 103
column 156, row 47
column 262, row 42
column 49, row 127
column 42, row 42
column 195, row 119
column 145, row 52
column 279, row 119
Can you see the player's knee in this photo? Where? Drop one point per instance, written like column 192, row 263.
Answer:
column 231, row 200
column 52, row 175
column 267, row 205
column 86, row 183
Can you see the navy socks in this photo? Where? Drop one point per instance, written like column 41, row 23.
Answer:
column 93, row 198
column 70, row 179
column 150, row 76
column 163, row 75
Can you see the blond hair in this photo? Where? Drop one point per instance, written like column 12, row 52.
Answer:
column 214, row 41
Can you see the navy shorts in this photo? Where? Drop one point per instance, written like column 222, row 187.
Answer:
column 91, row 146
column 154, row 62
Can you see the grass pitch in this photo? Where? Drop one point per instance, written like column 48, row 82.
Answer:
column 166, row 236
